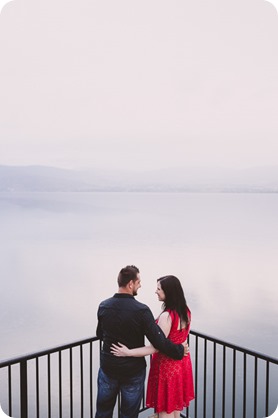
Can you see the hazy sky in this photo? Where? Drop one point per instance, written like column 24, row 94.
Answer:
column 144, row 84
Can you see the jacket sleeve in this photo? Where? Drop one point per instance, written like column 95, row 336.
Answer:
column 157, row 338
column 99, row 332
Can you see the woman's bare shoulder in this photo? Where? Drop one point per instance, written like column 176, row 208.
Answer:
column 165, row 316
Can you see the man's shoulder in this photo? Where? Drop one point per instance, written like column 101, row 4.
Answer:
column 141, row 305
column 106, row 302
column 124, row 302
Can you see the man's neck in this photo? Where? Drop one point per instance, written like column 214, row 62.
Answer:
column 125, row 290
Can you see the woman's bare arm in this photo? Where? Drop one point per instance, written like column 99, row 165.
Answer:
column 121, row 350
column 165, row 322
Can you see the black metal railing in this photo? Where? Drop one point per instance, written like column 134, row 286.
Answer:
column 56, row 382
column 230, row 381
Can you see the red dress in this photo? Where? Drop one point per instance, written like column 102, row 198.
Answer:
column 170, row 384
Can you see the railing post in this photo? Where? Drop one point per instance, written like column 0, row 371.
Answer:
column 23, row 389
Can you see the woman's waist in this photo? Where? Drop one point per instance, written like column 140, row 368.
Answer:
column 177, row 338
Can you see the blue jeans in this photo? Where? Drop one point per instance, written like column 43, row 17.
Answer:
column 131, row 390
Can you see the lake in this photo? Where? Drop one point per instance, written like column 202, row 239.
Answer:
column 61, row 253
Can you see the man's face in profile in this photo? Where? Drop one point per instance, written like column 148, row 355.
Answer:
column 137, row 285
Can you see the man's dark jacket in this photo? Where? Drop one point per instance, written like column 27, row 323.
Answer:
column 123, row 319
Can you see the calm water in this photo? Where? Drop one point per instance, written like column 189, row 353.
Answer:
column 60, row 255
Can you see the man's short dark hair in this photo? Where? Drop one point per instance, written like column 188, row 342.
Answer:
column 126, row 274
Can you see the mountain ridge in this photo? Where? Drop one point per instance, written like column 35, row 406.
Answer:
column 36, row 178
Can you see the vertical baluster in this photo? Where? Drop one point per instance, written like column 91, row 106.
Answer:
column 143, row 403
column 91, row 380
column 81, row 383
column 267, row 389
column 10, row 389
column 196, row 376
column 119, row 405
column 37, row 388
column 205, row 378
column 71, row 385
column 214, row 379
column 23, row 389
column 188, row 342
column 49, row 384
column 244, row 384
column 60, row 385
column 255, row 387
column 224, row 382
column 234, row 383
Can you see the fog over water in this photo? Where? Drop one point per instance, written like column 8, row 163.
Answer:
column 147, row 84
column 61, row 253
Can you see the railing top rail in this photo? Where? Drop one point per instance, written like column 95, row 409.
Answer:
column 235, row 347
column 30, row 356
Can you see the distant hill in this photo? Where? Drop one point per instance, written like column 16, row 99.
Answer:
column 37, row 178
column 50, row 179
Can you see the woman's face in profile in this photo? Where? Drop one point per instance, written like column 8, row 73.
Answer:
column 160, row 293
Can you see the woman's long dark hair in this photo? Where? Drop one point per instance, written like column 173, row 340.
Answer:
column 174, row 297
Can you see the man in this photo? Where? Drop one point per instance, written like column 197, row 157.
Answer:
column 123, row 319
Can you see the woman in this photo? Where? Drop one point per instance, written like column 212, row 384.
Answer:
column 170, row 384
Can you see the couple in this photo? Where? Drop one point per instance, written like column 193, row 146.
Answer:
column 123, row 322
